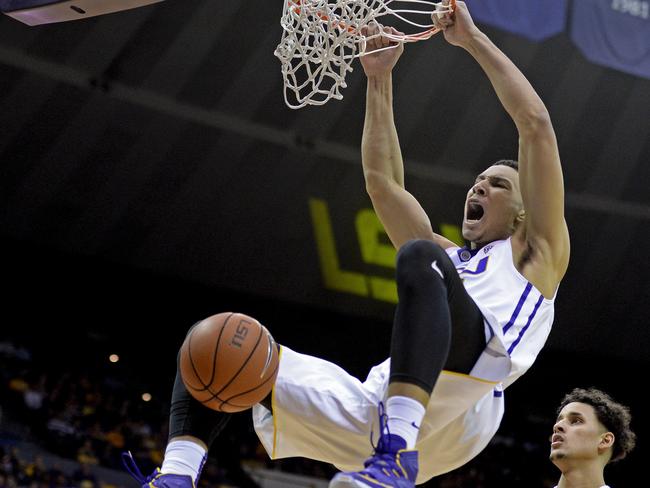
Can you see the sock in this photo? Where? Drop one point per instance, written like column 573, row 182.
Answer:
column 184, row 457
column 404, row 418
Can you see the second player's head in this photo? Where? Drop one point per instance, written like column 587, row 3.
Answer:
column 590, row 428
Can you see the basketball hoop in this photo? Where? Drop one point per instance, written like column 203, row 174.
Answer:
column 321, row 39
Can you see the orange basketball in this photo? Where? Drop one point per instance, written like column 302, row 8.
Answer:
column 229, row 362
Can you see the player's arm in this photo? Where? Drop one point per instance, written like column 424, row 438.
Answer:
column 540, row 171
column 383, row 168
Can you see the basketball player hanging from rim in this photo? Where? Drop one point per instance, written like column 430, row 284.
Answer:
column 469, row 321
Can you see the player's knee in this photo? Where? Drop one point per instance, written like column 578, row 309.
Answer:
column 416, row 258
column 417, row 252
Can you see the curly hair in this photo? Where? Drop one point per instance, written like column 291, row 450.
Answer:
column 614, row 416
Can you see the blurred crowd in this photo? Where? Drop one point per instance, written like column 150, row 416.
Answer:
column 94, row 412
column 16, row 470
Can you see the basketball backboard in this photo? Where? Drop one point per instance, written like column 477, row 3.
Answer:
column 37, row 12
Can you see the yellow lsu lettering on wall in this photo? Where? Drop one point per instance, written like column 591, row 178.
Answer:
column 369, row 232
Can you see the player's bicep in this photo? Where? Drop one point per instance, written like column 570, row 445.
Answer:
column 403, row 217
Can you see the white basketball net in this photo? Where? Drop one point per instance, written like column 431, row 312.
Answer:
column 321, row 38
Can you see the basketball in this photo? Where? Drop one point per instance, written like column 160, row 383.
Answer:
column 229, row 362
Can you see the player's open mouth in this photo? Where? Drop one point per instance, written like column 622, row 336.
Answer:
column 475, row 212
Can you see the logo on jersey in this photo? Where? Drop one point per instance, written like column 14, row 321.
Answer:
column 465, row 255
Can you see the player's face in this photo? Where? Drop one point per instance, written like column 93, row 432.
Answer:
column 577, row 434
column 492, row 206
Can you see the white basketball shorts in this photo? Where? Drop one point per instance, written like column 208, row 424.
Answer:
column 323, row 413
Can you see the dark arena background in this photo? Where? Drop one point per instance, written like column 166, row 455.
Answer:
column 151, row 175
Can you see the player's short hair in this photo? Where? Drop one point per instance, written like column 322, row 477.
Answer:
column 510, row 163
column 614, row 416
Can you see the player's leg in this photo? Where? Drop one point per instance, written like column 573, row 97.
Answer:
column 192, row 429
column 437, row 325
column 431, row 299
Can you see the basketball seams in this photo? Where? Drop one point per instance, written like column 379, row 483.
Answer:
column 185, row 350
column 250, row 355
column 194, row 369
column 269, row 378
column 246, row 366
column 229, row 401
column 206, row 386
column 216, row 349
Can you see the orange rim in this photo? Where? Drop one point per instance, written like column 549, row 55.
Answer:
column 418, row 36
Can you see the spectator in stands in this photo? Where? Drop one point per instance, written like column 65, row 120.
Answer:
column 86, row 454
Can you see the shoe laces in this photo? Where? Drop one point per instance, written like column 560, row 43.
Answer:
column 131, row 466
column 383, row 445
column 383, row 456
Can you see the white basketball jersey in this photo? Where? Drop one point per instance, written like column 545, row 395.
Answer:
column 517, row 316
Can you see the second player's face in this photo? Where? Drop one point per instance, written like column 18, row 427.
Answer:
column 492, row 206
column 577, row 434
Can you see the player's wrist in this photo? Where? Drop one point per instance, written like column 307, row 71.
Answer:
column 477, row 40
column 379, row 79
column 473, row 40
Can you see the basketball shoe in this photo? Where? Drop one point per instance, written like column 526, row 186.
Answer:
column 155, row 479
column 391, row 465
